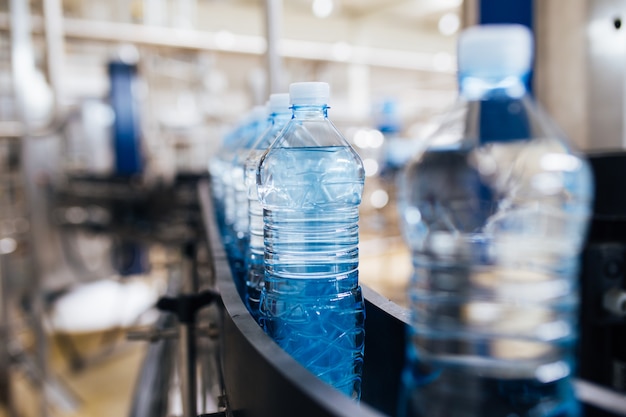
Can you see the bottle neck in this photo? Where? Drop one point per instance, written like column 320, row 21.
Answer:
column 280, row 118
column 310, row 111
column 486, row 88
column 497, row 108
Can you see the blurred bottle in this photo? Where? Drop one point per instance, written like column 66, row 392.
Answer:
column 237, row 196
column 495, row 211
column 310, row 183
column 218, row 170
column 226, row 169
column 393, row 154
column 280, row 114
column 127, row 141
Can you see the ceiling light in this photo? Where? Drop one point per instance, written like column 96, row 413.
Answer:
column 370, row 166
column 379, row 199
column 449, row 24
column 361, row 139
column 322, row 8
column 375, row 139
column 7, row 245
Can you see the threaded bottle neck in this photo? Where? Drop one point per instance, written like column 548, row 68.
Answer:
column 310, row 111
column 473, row 87
column 280, row 118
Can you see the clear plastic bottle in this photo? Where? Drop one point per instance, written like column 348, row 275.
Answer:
column 226, row 179
column 238, row 196
column 217, row 169
column 310, row 183
column 227, row 182
column 495, row 210
column 280, row 114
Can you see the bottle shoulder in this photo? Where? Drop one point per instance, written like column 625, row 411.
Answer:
column 313, row 132
column 472, row 123
column 310, row 176
column 538, row 166
column 315, row 147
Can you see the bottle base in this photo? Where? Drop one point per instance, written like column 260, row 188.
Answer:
column 462, row 393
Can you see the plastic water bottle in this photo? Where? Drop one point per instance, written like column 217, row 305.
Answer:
column 280, row 114
column 227, row 180
column 495, row 211
column 238, row 190
column 394, row 150
column 217, row 169
column 310, row 183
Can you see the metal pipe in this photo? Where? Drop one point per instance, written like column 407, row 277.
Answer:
column 22, row 54
column 187, row 345
column 6, row 396
column 187, row 352
column 469, row 13
column 151, row 395
column 273, row 26
column 23, row 68
column 53, row 18
column 243, row 44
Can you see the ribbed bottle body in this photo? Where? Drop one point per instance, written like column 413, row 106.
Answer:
column 311, row 302
column 236, row 235
column 495, row 210
column 254, row 266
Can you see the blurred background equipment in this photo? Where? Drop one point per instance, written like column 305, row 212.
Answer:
column 603, row 284
column 111, row 110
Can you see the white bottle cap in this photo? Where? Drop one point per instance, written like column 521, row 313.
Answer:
column 495, row 51
column 315, row 93
column 258, row 113
column 278, row 103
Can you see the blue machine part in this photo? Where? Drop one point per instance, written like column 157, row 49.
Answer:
column 510, row 11
column 126, row 133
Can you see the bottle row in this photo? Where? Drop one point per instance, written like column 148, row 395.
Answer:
column 494, row 207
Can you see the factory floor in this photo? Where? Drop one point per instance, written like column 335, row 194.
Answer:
column 101, row 387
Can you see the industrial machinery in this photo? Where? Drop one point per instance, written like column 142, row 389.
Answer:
column 63, row 190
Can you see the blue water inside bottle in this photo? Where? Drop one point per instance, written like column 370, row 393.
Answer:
column 311, row 303
column 236, row 236
column 217, row 168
